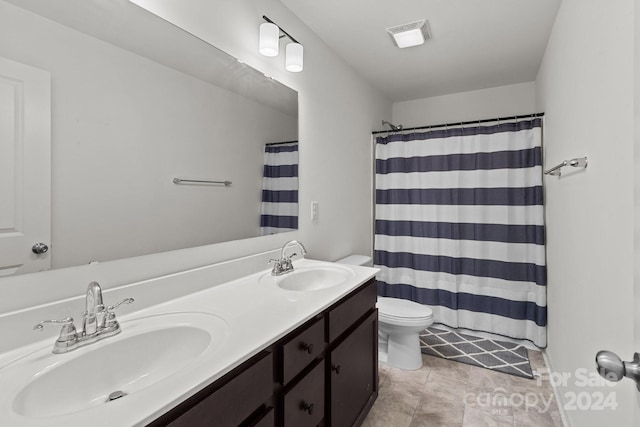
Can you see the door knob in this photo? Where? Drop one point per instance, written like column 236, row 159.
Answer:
column 39, row 248
column 612, row 368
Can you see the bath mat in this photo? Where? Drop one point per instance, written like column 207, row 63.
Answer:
column 499, row 356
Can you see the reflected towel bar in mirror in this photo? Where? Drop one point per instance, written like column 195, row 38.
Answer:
column 181, row 180
column 578, row 162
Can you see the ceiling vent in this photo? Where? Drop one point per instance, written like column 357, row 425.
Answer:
column 412, row 34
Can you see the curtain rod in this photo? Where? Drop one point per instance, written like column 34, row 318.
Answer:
column 472, row 122
column 281, row 143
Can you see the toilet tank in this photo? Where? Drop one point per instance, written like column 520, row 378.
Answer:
column 362, row 260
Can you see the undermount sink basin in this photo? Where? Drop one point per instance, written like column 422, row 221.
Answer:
column 312, row 278
column 148, row 351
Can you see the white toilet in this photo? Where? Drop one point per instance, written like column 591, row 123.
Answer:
column 399, row 325
column 400, row 322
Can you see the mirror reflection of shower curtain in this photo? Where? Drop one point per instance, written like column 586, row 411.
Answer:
column 279, row 211
column 460, row 226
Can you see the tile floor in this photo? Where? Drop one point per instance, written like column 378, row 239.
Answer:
column 452, row 394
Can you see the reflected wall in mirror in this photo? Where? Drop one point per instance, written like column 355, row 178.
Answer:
column 135, row 102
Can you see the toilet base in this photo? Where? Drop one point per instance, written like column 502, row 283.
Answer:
column 401, row 351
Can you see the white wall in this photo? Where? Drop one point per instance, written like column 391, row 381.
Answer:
column 502, row 101
column 585, row 86
column 337, row 113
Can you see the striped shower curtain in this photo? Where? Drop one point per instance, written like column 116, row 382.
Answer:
column 460, row 226
column 279, row 209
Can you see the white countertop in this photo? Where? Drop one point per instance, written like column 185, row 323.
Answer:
column 257, row 313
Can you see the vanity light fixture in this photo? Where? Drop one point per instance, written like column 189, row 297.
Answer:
column 269, row 39
column 294, row 59
column 411, row 34
column 270, row 42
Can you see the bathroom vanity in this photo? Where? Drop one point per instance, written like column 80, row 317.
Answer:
column 260, row 350
column 325, row 372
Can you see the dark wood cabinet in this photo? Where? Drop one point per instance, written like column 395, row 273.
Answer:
column 302, row 348
column 353, row 380
column 344, row 314
column 266, row 420
column 304, row 403
column 236, row 399
column 323, row 373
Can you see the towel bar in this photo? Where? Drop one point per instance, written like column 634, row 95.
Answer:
column 181, row 180
column 578, row 162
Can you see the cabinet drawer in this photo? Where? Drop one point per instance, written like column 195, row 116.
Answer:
column 235, row 401
column 302, row 349
column 304, row 404
column 268, row 420
column 346, row 313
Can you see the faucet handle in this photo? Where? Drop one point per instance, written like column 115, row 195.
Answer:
column 287, row 262
column 109, row 320
column 68, row 335
column 67, row 321
column 119, row 303
column 277, row 266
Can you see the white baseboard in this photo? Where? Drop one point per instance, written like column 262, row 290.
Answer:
column 566, row 422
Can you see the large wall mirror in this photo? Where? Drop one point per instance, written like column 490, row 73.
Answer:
column 137, row 102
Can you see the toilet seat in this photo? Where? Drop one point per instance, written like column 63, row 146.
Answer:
column 400, row 311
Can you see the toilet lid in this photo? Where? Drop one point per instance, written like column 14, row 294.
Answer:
column 396, row 308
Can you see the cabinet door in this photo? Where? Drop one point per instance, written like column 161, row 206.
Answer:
column 354, row 373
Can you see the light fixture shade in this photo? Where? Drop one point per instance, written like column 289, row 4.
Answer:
column 409, row 38
column 269, row 39
column 412, row 34
column 295, row 57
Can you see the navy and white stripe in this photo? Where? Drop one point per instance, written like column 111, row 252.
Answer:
column 279, row 212
column 460, row 226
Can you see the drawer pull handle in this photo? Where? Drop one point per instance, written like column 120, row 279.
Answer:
column 307, row 407
column 336, row 369
column 307, row 347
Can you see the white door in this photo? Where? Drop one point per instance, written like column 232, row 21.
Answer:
column 636, row 395
column 25, row 167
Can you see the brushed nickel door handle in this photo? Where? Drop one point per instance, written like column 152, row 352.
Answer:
column 612, row 368
column 39, row 248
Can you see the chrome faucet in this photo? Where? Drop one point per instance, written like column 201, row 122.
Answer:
column 98, row 322
column 93, row 307
column 284, row 265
